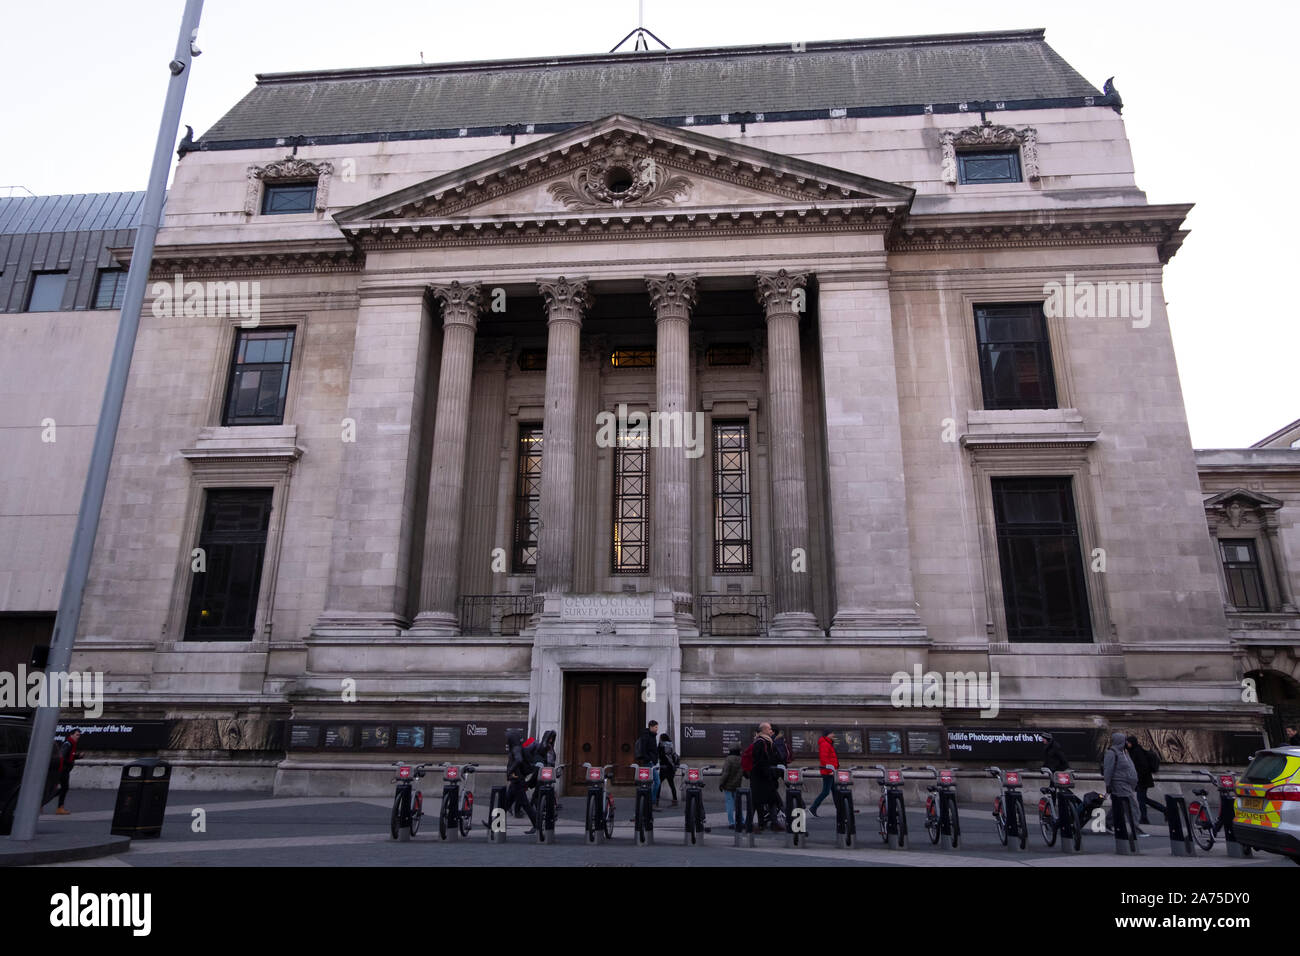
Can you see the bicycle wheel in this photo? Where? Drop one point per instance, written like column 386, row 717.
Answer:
column 467, row 815
column 850, row 824
column 1075, row 824
column 690, row 818
column 609, row 818
column 699, row 816
column 1000, row 822
column 1203, row 830
column 395, row 823
column 932, row 823
column 1021, row 828
column 593, row 813
column 884, row 821
column 639, row 815
column 1047, row 825
column 444, row 816
column 417, row 813
column 902, row 822
column 956, row 824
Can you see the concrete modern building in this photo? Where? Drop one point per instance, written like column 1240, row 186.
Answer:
column 891, row 310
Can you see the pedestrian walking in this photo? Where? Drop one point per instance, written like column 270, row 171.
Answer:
column 1054, row 758
column 826, row 757
column 762, row 779
column 67, row 757
column 518, row 770
column 1146, row 763
column 668, row 764
column 646, row 754
column 731, row 780
column 1120, row 775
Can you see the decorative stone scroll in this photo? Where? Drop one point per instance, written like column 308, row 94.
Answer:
column 988, row 135
column 286, row 170
column 565, row 298
column 619, row 179
column 461, row 304
column 672, row 296
column 782, row 292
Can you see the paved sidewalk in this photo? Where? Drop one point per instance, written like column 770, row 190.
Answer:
column 257, row 829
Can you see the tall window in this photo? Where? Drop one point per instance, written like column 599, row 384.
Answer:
column 259, row 377
column 283, row 198
column 733, row 546
column 528, row 499
column 1015, row 356
column 1241, row 571
column 110, row 288
column 47, row 291
column 223, row 597
column 1040, row 554
column 631, row 474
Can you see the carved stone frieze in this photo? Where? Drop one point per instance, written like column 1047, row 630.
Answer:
column 289, row 169
column 985, row 136
column 620, row 178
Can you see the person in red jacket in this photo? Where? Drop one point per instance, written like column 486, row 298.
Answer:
column 826, row 757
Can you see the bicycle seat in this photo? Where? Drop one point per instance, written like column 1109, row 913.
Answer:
column 1044, row 789
column 1200, row 793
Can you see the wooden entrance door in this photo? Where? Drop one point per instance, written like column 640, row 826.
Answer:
column 603, row 713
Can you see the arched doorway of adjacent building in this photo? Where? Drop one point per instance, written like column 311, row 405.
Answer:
column 1282, row 692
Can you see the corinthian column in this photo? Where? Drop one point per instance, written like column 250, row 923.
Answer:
column 565, row 302
column 440, row 579
column 783, row 297
column 672, row 298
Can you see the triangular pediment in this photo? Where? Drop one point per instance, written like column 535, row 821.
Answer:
column 621, row 166
column 1246, row 498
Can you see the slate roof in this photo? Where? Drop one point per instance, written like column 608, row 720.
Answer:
column 75, row 212
column 865, row 77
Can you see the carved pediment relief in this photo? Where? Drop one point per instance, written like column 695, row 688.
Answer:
column 617, row 166
column 1240, row 507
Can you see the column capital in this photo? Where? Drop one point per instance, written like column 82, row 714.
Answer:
column 673, row 296
column 566, row 299
column 461, row 304
column 781, row 292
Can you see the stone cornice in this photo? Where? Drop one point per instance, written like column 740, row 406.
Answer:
column 1157, row 226
column 252, row 258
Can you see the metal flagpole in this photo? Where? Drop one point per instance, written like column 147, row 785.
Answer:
column 92, row 498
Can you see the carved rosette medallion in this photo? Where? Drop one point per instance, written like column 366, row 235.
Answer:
column 672, row 297
column 288, row 169
column 620, row 178
column 781, row 292
column 986, row 136
column 566, row 299
column 461, row 304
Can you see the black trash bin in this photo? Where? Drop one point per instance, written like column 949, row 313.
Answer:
column 142, row 798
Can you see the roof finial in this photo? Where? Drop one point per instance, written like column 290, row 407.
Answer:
column 640, row 33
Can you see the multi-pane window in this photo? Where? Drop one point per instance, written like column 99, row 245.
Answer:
column 631, row 478
column 532, row 360
column 1241, row 571
column 632, row 358
column 110, row 288
column 223, row 597
column 282, row 198
column 1015, row 356
column 989, row 166
column 1041, row 557
column 47, row 291
column 733, row 545
column 528, row 499
column 730, row 355
column 259, row 377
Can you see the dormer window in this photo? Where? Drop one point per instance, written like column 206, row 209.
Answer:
column 988, row 166
column 285, row 198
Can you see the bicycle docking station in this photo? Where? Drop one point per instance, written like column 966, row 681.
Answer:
column 1125, row 841
column 643, row 817
column 1180, row 826
column 796, row 815
column 744, row 816
column 497, row 815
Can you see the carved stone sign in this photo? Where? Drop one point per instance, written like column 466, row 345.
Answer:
column 609, row 608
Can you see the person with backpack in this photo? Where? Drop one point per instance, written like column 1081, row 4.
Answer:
column 1120, row 776
column 1054, row 758
column 668, row 764
column 518, row 770
column 1146, row 762
column 646, row 754
column 67, row 758
column 733, row 776
column 826, row 757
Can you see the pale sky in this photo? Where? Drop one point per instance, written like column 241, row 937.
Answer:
column 1209, row 107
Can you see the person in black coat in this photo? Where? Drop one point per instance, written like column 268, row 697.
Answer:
column 1054, row 758
column 518, row 770
column 1146, row 763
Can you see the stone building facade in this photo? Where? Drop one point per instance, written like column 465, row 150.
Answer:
column 870, row 292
